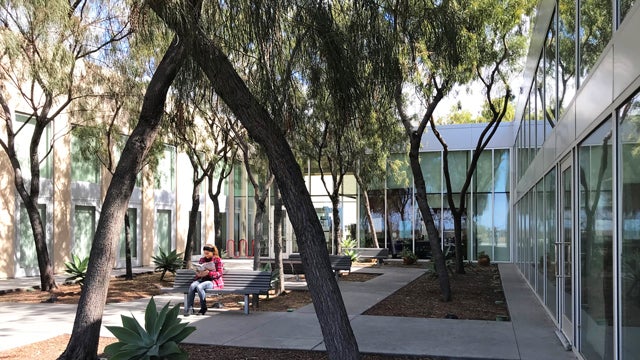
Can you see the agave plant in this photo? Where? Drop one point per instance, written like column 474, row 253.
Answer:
column 168, row 262
column 77, row 268
column 348, row 248
column 159, row 338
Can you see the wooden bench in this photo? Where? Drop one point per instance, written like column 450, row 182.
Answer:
column 293, row 264
column 243, row 282
column 373, row 253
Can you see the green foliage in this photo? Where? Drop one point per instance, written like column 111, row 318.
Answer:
column 348, row 246
column 77, row 268
column 408, row 256
column 168, row 262
column 159, row 338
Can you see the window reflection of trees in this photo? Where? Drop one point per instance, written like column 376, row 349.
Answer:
column 596, row 240
column 596, row 24
column 629, row 139
column 566, row 53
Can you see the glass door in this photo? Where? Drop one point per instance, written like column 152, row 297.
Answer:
column 564, row 270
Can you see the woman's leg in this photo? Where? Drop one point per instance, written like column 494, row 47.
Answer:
column 191, row 296
column 203, row 295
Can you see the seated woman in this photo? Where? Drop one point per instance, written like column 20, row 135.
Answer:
column 208, row 278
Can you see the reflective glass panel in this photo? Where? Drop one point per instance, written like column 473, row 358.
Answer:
column 84, row 226
column 566, row 54
column 596, row 244
column 596, row 25
column 629, row 145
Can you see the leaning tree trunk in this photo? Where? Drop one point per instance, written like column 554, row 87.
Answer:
column 277, row 241
column 338, row 335
column 367, row 210
column 83, row 343
column 425, row 210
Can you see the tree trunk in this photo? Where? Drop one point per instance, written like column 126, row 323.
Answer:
column 425, row 210
column 367, row 210
column 336, row 226
column 83, row 343
column 277, row 241
column 47, row 280
column 127, row 247
column 193, row 222
column 325, row 293
column 457, row 230
column 30, row 198
column 257, row 229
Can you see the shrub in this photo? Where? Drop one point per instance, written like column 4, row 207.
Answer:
column 168, row 262
column 77, row 268
column 159, row 338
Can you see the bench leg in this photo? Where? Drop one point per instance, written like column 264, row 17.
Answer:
column 186, row 309
column 246, row 304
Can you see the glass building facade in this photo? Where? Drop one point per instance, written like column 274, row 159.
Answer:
column 576, row 213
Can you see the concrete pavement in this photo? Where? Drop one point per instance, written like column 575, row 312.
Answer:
column 529, row 335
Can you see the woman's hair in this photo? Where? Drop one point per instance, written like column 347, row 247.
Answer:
column 212, row 248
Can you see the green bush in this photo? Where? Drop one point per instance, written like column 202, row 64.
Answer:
column 168, row 262
column 77, row 268
column 159, row 338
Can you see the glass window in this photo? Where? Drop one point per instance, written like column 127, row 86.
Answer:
column 623, row 8
column 84, row 166
column 596, row 244
column 596, row 24
column 483, row 176
column 539, row 239
column 163, row 231
column 550, row 77
column 84, row 227
column 458, row 166
column 26, row 126
column 501, row 170
column 28, row 254
column 629, row 147
column 501, row 212
column 399, row 172
column 483, row 224
column 566, row 54
column 550, row 238
column 376, row 205
column 537, row 133
column 165, row 173
column 431, row 164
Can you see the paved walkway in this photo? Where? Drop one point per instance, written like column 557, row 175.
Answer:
column 529, row 334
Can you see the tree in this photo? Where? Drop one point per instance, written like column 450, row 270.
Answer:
column 499, row 50
column 339, row 338
column 83, row 343
column 48, row 50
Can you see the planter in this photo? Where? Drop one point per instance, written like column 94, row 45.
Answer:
column 484, row 261
column 408, row 261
